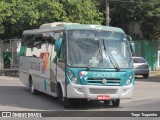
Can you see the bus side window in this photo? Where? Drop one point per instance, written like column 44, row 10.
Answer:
column 61, row 58
column 27, row 45
column 30, row 41
column 61, row 54
column 38, row 42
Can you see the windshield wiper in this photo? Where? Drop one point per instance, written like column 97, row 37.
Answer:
column 95, row 55
column 111, row 58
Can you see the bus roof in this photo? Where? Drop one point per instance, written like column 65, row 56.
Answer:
column 92, row 27
column 73, row 27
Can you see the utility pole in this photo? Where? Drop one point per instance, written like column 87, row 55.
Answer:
column 107, row 13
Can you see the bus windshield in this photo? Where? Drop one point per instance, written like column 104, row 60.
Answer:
column 83, row 45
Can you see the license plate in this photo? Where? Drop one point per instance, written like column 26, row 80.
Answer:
column 102, row 97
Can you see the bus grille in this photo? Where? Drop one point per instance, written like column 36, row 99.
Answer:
column 109, row 81
column 102, row 91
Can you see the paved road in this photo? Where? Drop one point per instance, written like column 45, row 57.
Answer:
column 14, row 96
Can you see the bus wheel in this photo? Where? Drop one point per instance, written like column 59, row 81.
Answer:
column 59, row 93
column 67, row 103
column 33, row 90
column 61, row 99
column 145, row 75
column 107, row 102
column 116, row 102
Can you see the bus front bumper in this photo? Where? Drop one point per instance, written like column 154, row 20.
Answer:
column 92, row 92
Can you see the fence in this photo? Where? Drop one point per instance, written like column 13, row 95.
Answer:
column 9, row 53
column 159, row 54
column 148, row 50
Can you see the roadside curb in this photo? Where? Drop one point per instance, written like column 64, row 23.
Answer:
column 154, row 73
column 8, row 78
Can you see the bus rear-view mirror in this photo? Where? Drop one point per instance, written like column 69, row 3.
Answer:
column 132, row 46
column 58, row 44
column 129, row 38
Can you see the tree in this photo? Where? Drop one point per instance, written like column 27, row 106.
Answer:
column 19, row 15
column 3, row 14
column 82, row 11
column 145, row 12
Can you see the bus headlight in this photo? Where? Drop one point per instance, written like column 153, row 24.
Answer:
column 128, row 81
column 71, row 75
column 72, row 78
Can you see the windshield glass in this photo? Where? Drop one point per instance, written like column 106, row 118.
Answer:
column 138, row 60
column 83, row 44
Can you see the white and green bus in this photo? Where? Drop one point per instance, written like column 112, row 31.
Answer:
column 76, row 61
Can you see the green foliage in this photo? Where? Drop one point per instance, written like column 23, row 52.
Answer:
column 28, row 14
column 82, row 11
column 145, row 12
column 19, row 15
column 3, row 14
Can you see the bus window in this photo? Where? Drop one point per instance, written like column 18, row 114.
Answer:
column 61, row 57
column 38, row 42
column 30, row 41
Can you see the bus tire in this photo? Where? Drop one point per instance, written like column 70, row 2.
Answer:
column 107, row 102
column 59, row 94
column 33, row 90
column 63, row 100
column 145, row 75
column 116, row 102
column 67, row 102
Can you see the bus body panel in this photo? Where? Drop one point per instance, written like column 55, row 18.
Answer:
column 91, row 83
column 41, row 76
